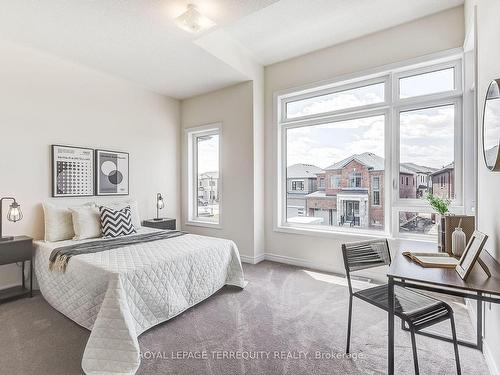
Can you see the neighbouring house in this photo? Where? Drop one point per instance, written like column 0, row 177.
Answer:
column 208, row 187
column 354, row 190
column 353, row 194
column 422, row 177
column 407, row 183
column 302, row 179
column 443, row 185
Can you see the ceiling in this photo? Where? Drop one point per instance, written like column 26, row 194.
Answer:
column 290, row 28
column 137, row 39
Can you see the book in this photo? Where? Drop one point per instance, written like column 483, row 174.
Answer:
column 433, row 260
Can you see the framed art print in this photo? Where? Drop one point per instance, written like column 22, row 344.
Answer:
column 72, row 171
column 112, row 173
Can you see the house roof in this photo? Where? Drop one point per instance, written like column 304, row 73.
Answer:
column 209, row 175
column 376, row 163
column 321, row 194
column 405, row 170
column 418, row 168
column 369, row 159
column 302, row 171
column 445, row 168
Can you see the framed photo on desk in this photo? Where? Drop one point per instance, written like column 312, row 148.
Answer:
column 471, row 254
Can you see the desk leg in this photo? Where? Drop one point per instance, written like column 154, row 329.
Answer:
column 31, row 277
column 390, row 328
column 22, row 275
column 479, row 327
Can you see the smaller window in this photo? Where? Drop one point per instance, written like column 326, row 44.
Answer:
column 376, row 190
column 298, row 185
column 406, row 181
column 335, row 182
column 321, row 182
column 427, row 83
column 355, row 180
column 204, row 162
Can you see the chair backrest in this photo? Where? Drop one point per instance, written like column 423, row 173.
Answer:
column 365, row 254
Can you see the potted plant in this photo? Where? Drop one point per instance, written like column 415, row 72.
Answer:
column 441, row 205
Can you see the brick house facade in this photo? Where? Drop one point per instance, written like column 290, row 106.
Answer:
column 443, row 182
column 351, row 191
column 353, row 194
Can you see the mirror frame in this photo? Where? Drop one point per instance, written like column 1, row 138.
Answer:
column 496, row 166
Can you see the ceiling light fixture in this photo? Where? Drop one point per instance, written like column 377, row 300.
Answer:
column 193, row 21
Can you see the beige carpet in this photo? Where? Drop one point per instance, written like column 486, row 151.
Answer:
column 284, row 313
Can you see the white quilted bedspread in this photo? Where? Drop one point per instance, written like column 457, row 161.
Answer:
column 119, row 294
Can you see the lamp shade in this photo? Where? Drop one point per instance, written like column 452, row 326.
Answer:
column 15, row 213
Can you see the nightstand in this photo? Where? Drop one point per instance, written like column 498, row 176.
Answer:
column 166, row 224
column 19, row 249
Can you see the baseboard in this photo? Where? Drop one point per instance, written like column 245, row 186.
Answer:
column 252, row 260
column 298, row 262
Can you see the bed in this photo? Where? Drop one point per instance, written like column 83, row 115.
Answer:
column 120, row 293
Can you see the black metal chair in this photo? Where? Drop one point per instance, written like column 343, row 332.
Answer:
column 418, row 310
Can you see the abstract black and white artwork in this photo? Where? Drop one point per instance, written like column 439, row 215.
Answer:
column 112, row 174
column 72, row 171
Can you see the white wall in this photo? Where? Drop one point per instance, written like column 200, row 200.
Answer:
column 45, row 100
column 435, row 33
column 233, row 108
column 488, row 50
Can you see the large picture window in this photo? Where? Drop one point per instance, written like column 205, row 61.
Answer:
column 204, row 175
column 381, row 143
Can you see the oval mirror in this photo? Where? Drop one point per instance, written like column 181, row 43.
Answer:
column 491, row 126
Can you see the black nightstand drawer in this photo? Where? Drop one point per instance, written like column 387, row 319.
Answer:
column 17, row 250
column 165, row 224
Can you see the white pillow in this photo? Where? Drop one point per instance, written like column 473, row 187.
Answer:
column 86, row 222
column 58, row 223
column 134, row 210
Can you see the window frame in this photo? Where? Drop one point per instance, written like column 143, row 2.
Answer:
column 192, row 134
column 390, row 108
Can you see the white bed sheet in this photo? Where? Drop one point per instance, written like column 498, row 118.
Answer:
column 118, row 294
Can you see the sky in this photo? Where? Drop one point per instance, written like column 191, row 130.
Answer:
column 426, row 138
column 208, row 154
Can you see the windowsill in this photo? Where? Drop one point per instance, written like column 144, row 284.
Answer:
column 205, row 224
column 352, row 234
column 330, row 233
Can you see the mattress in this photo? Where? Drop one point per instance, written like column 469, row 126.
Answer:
column 118, row 294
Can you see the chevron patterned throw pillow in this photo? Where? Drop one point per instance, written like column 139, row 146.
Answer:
column 116, row 223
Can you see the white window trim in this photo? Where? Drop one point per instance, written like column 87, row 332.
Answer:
column 192, row 196
column 390, row 74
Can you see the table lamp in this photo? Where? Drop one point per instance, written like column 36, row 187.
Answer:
column 159, row 205
column 14, row 214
